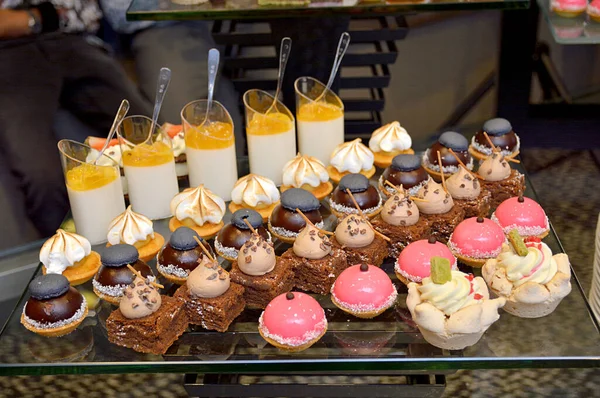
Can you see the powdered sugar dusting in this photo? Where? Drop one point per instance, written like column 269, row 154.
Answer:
column 53, row 325
column 352, row 210
column 476, row 253
column 294, row 341
column 172, row 269
column 447, row 169
column 488, row 151
column 286, row 233
column 523, row 230
column 230, row 252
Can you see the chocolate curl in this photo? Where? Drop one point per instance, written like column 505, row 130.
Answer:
column 404, row 192
column 308, row 222
column 463, row 165
column 204, row 249
column 137, row 273
column 442, row 171
column 362, row 215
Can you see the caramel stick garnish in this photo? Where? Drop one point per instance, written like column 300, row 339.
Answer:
column 496, row 149
column 308, row 222
column 417, row 199
column 137, row 273
column 250, row 226
column 464, row 166
column 442, row 171
column 489, row 140
column 362, row 215
column 204, row 249
column 405, row 192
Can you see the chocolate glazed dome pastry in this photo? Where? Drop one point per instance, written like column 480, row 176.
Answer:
column 449, row 140
column 233, row 236
column 502, row 136
column 368, row 198
column 285, row 222
column 405, row 171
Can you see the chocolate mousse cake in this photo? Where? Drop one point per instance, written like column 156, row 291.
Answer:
column 468, row 194
column 405, row 171
column 211, row 299
column 449, row 140
column 501, row 134
column 438, row 208
column 233, row 236
column 261, row 273
column 285, row 222
column 500, row 179
column 146, row 321
column 364, row 193
column 316, row 263
column 355, row 236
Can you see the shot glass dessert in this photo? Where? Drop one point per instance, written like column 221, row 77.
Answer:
column 271, row 135
column 320, row 123
column 149, row 167
column 210, row 147
column 95, row 191
column 176, row 134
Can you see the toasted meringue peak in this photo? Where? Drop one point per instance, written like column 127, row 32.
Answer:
column 199, row 204
column 129, row 227
column 63, row 250
column 254, row 190
column 390, row 138
column 352, row 156
column 304, row 169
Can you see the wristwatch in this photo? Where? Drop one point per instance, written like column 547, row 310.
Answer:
column 35, row 25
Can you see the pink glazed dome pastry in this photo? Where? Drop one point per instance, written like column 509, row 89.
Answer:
column 568, row 8
column 292, row 322
column 475, row 240
column 523, row 214
column 593, row 10
column 364, row 291
column 414, row 262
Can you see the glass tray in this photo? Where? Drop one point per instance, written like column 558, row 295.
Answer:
column 579, row 30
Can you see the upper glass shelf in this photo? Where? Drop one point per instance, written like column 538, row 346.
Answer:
column 239, row 9
column 579, row 30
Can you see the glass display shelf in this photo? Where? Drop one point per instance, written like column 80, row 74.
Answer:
column 240, row 9
column 579, row 30
column 568, row 338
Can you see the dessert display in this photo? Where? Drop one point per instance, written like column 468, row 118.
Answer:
column 523, row 214
column 414, row 262
column 262, row 274
column 449, row 140
column 568, row 8
column 54, row 308
column 467, row 193
column 199, row 209
column 366, row 195
column 254, row 192
column 177, row 136
column 95, row 191
column 593, row 10
column 292, row 322
column 364, row 291
column 388, row 141
column 501, row 136
column 438, row 208
column 113, row 151
column 475, row 240
column 114, row 275
column 180, row 256
column 210, row 146
column 405, row 171
column 316, row 263
column 308, row 173
column 399, row 220
column 500, row 179
column 211, row 299
column 70, row 255
column 146, row 321
column 271, row 135
column 528, row 276
column 452, row 309
column 320, row 118
column 233, row 236
column 350, row 158
column 135, row 229
column 285, row 222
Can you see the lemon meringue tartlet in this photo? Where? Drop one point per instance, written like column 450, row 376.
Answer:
column 533, row 283
column 388, row 141
column 309, row 173
column 255, row 192
column 199, row 209
column 351, row 157
column 71, row 255
column 135, row 229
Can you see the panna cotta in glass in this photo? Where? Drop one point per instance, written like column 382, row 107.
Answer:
column 210, row 147
column 271, row 135
column 149, row 168
column 95, row 191
column 320, row 123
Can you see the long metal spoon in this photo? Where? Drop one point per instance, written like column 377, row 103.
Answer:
column 341, row 50
column 164, row 77
column 123, row 109
column 213, row 68
column 284, row 55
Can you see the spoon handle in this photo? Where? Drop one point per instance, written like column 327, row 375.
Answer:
column 341, row 50
column 164, row 77
column 284, row 55
column 123, row 109
column 213, row 69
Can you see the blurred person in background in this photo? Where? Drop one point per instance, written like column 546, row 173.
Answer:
column 49, row 58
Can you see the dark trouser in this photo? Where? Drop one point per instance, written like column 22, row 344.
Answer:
column 36, row 76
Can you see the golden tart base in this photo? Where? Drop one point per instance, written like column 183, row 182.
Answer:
column 384, row 159
column 264, row 212
column 320, row 192
column 55, row 332
column 336, row 176
column 83, row 271
column 150, row 249
column 206, row 231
